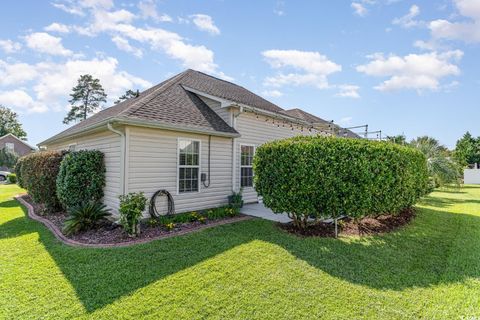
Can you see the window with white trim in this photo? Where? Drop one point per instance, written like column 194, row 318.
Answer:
column 188, row 165
column 246, row 165
column 10, row 146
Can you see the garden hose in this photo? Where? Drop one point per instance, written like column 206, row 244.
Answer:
column 153, row 207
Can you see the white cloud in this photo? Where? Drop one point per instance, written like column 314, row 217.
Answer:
column 46, row 43
column 119, row 23
column 348, row 91
column 345, row 120
column 51, row 82
column 279, row 9
column 309, row 68
column 16, row 73
column 21, row 101
column 57, row 27
column 408, row 20
column 205, row 23
column 124, row 45
column 69, row 8
column 413, row 71
column 272, row 93
column 9, row 46
column 148, row 10
column 359, row 9
column 467, row 31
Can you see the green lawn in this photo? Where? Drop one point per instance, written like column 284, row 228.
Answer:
column 249, row 270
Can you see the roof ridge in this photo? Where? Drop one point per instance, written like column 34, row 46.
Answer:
column 234, row 84
column 162, row 87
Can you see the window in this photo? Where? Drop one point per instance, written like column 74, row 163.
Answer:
column 246, row 168
column 10, row 146
column 188, row 165
column 72, row 147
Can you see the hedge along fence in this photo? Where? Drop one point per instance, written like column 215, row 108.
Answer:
column 81, row 178
column 37, row 172
column 329, row 177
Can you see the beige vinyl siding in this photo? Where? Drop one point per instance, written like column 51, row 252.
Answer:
column 256, row 131
column 153, row 165
column 109, row 144
column 224, row 113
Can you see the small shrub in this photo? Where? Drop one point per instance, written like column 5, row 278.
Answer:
column 235, row 200
column 81, row 178
column 85, row 216
column 8, row 158
column 12, row 178
column 131, row 210
column 18, row 172
column 37, row 172
column 328, row 177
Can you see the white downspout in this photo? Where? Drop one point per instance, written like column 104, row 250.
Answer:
column 122, row 156
column 234, row 151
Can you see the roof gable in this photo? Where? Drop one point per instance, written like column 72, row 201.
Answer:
column 18, row 139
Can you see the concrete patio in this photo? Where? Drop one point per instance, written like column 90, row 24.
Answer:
column 260, row 211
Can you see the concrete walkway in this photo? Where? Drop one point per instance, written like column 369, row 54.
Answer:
column 260, row 211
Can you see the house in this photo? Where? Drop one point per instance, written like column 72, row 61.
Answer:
column 15, row 145
column 194, row 135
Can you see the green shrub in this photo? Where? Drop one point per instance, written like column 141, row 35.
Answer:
column 85, row 216
column 328, row 177
column 131, row 210
column 81, row 178
column 235, row 200
column 18, row 172
column 8, row 158
column 12, row 178
column 37, row 172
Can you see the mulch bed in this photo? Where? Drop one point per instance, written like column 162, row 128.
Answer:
column 111, row 234
column 348, row 227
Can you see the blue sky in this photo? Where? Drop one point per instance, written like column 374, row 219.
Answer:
column 399, row 66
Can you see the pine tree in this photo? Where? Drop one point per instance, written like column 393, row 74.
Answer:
column 467, row 150
column 87, row 97
column 9, row 123
column 128, row 95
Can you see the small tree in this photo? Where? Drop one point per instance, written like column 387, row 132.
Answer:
column 128, row 95
column 87, row 96
column 398, row 139
column 7, row 158
column 467, row 150
column 9, row 123
column 442, row 169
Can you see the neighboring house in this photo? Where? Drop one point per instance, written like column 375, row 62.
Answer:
column 13, row 144
column 193, row 135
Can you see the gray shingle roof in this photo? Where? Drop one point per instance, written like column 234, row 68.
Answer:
column 170, row 103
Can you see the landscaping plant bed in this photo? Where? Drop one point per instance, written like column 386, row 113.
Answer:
column 110, row 233
column 349, row 227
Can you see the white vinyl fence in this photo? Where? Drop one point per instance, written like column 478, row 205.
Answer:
column 471, row 176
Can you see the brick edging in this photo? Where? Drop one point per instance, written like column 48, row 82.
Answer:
column 60, row 236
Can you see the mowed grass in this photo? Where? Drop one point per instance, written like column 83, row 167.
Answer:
column 250, row 270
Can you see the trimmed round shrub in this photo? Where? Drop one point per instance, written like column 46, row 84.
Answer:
column 81, row 178
column 324, row 177
column 37, row 172
column 12, row 178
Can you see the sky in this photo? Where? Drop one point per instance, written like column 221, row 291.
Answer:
column 403, row 67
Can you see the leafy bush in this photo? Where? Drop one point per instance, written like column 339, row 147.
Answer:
column 81, row 178
column 37, row 172
column 131, row 210
column 85, row 216
column 8, row 158
column 236, row 199
column 12, row 178
column 329, row 177
column 18, row 172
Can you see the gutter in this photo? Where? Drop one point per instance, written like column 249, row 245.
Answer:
column 123, row 156
column 140, row 123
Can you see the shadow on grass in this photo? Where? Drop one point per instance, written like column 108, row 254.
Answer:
column 417, row 256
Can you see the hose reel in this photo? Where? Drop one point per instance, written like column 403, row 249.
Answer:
column 153, row 207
